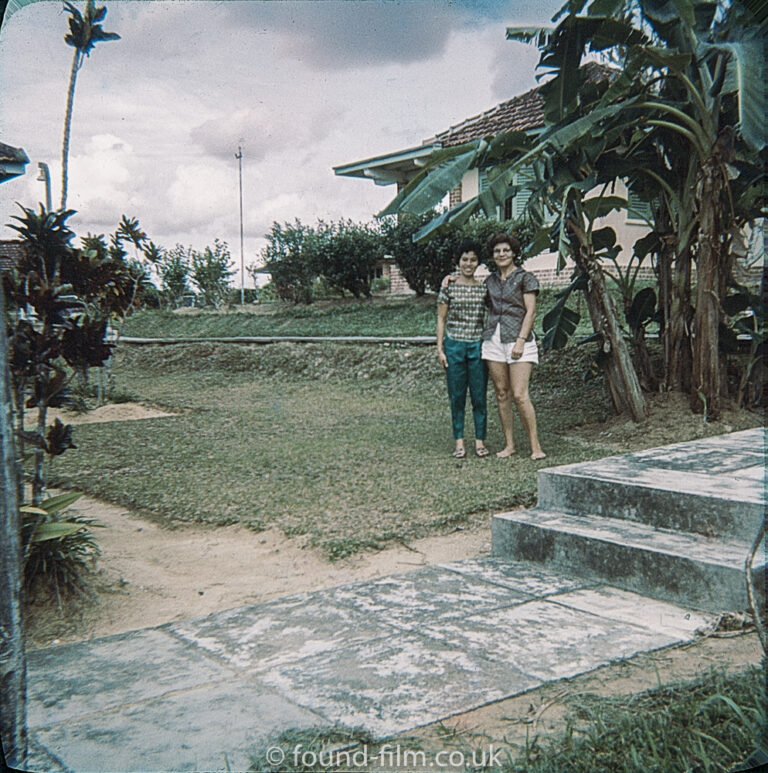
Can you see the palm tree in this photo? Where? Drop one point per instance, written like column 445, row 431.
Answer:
column 84, row 32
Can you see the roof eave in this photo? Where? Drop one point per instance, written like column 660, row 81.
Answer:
column 390, row 167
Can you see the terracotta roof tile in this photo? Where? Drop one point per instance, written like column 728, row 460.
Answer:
column 524, row 112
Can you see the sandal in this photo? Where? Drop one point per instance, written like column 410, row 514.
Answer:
column 459, row 453
column 481, row 452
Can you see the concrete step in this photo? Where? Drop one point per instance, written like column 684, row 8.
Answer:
column 690, row 569
column 712, row 487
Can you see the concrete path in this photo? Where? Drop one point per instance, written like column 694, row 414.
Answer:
column 393, row 654
column 387, row 655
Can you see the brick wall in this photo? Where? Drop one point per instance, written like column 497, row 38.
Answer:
column 548, row 277
column 454, row 197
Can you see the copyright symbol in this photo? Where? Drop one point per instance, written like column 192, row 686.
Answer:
column 275, row 755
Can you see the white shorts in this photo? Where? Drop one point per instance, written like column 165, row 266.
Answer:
column 495, row 351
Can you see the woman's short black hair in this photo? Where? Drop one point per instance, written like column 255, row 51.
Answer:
column 504, row 238
column 470, row 245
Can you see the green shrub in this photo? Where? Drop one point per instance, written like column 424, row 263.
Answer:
column 59, row 549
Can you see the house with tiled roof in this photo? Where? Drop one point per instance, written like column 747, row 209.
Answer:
column 13, row 162
column 524, row 112
column 11, row 251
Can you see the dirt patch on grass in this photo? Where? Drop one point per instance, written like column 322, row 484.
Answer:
column 669, row 420
column 109, row 412
column 148, row 575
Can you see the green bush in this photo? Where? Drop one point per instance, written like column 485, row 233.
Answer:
column 59, row 549
column 381, row 285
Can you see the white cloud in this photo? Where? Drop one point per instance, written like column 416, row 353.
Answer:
column 199, row 192
column 305, row 86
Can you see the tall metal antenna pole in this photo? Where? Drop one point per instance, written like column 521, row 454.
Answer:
column 239, row 157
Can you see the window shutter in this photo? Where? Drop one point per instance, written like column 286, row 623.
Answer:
column 637, row 209
column 520, row 201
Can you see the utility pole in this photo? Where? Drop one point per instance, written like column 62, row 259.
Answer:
column 239, row 157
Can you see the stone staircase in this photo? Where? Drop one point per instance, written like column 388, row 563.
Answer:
column 674, row 523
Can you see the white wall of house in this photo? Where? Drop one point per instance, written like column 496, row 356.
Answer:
column 628, row 230
column 470, row 184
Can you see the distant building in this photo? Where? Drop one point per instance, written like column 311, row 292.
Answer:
column 13, row 162
column 524, row 112
column 10, row 253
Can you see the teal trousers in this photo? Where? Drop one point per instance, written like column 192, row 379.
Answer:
column 466, row 368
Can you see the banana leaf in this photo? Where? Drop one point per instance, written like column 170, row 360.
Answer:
column 456, row 216
column 749, row 55
column 600, row 206
column 431, row 190
column 559, row 324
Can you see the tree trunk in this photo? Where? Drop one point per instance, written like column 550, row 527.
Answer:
column 13, row 669
column 620, row 372
column 706, row 385
column 680, row 324
column 68, row 128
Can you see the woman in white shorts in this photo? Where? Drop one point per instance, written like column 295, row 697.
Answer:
column 509, row 345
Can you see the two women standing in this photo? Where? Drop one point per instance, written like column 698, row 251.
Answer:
column 504, row 339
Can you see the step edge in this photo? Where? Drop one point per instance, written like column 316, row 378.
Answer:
column 559, row 472
column 735, row 545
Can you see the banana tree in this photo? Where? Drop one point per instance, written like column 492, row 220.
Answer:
column 84, row 32
column 562, row 182
column 687, row 93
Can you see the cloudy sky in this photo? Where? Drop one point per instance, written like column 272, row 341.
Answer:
column 302, row 86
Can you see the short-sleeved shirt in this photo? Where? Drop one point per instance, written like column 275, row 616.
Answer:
column 506, row 305
column 466, row 310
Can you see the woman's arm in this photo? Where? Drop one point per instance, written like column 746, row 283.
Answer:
column 442, row 315
column 529, row 300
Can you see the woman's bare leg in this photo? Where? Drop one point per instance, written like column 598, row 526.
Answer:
column 499, row 373
column 520, row 377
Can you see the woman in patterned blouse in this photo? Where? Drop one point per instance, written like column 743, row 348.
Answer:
column 460, row 320
column 509, row 345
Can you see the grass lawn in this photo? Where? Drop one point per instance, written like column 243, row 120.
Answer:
column 379, row 316
column 349, row 444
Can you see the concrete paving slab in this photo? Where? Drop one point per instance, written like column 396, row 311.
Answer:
column 617, row 604
column 262, row 636
column 91, row 677
column 396, row 685
column 547, row 640
column 522, row 576
column 40, row 759
column 406, row 600
column 215, row 727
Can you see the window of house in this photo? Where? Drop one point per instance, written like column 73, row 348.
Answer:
column 637, row 209
column 514, row 206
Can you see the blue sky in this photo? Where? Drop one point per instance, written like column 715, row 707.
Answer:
column 302, row 86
